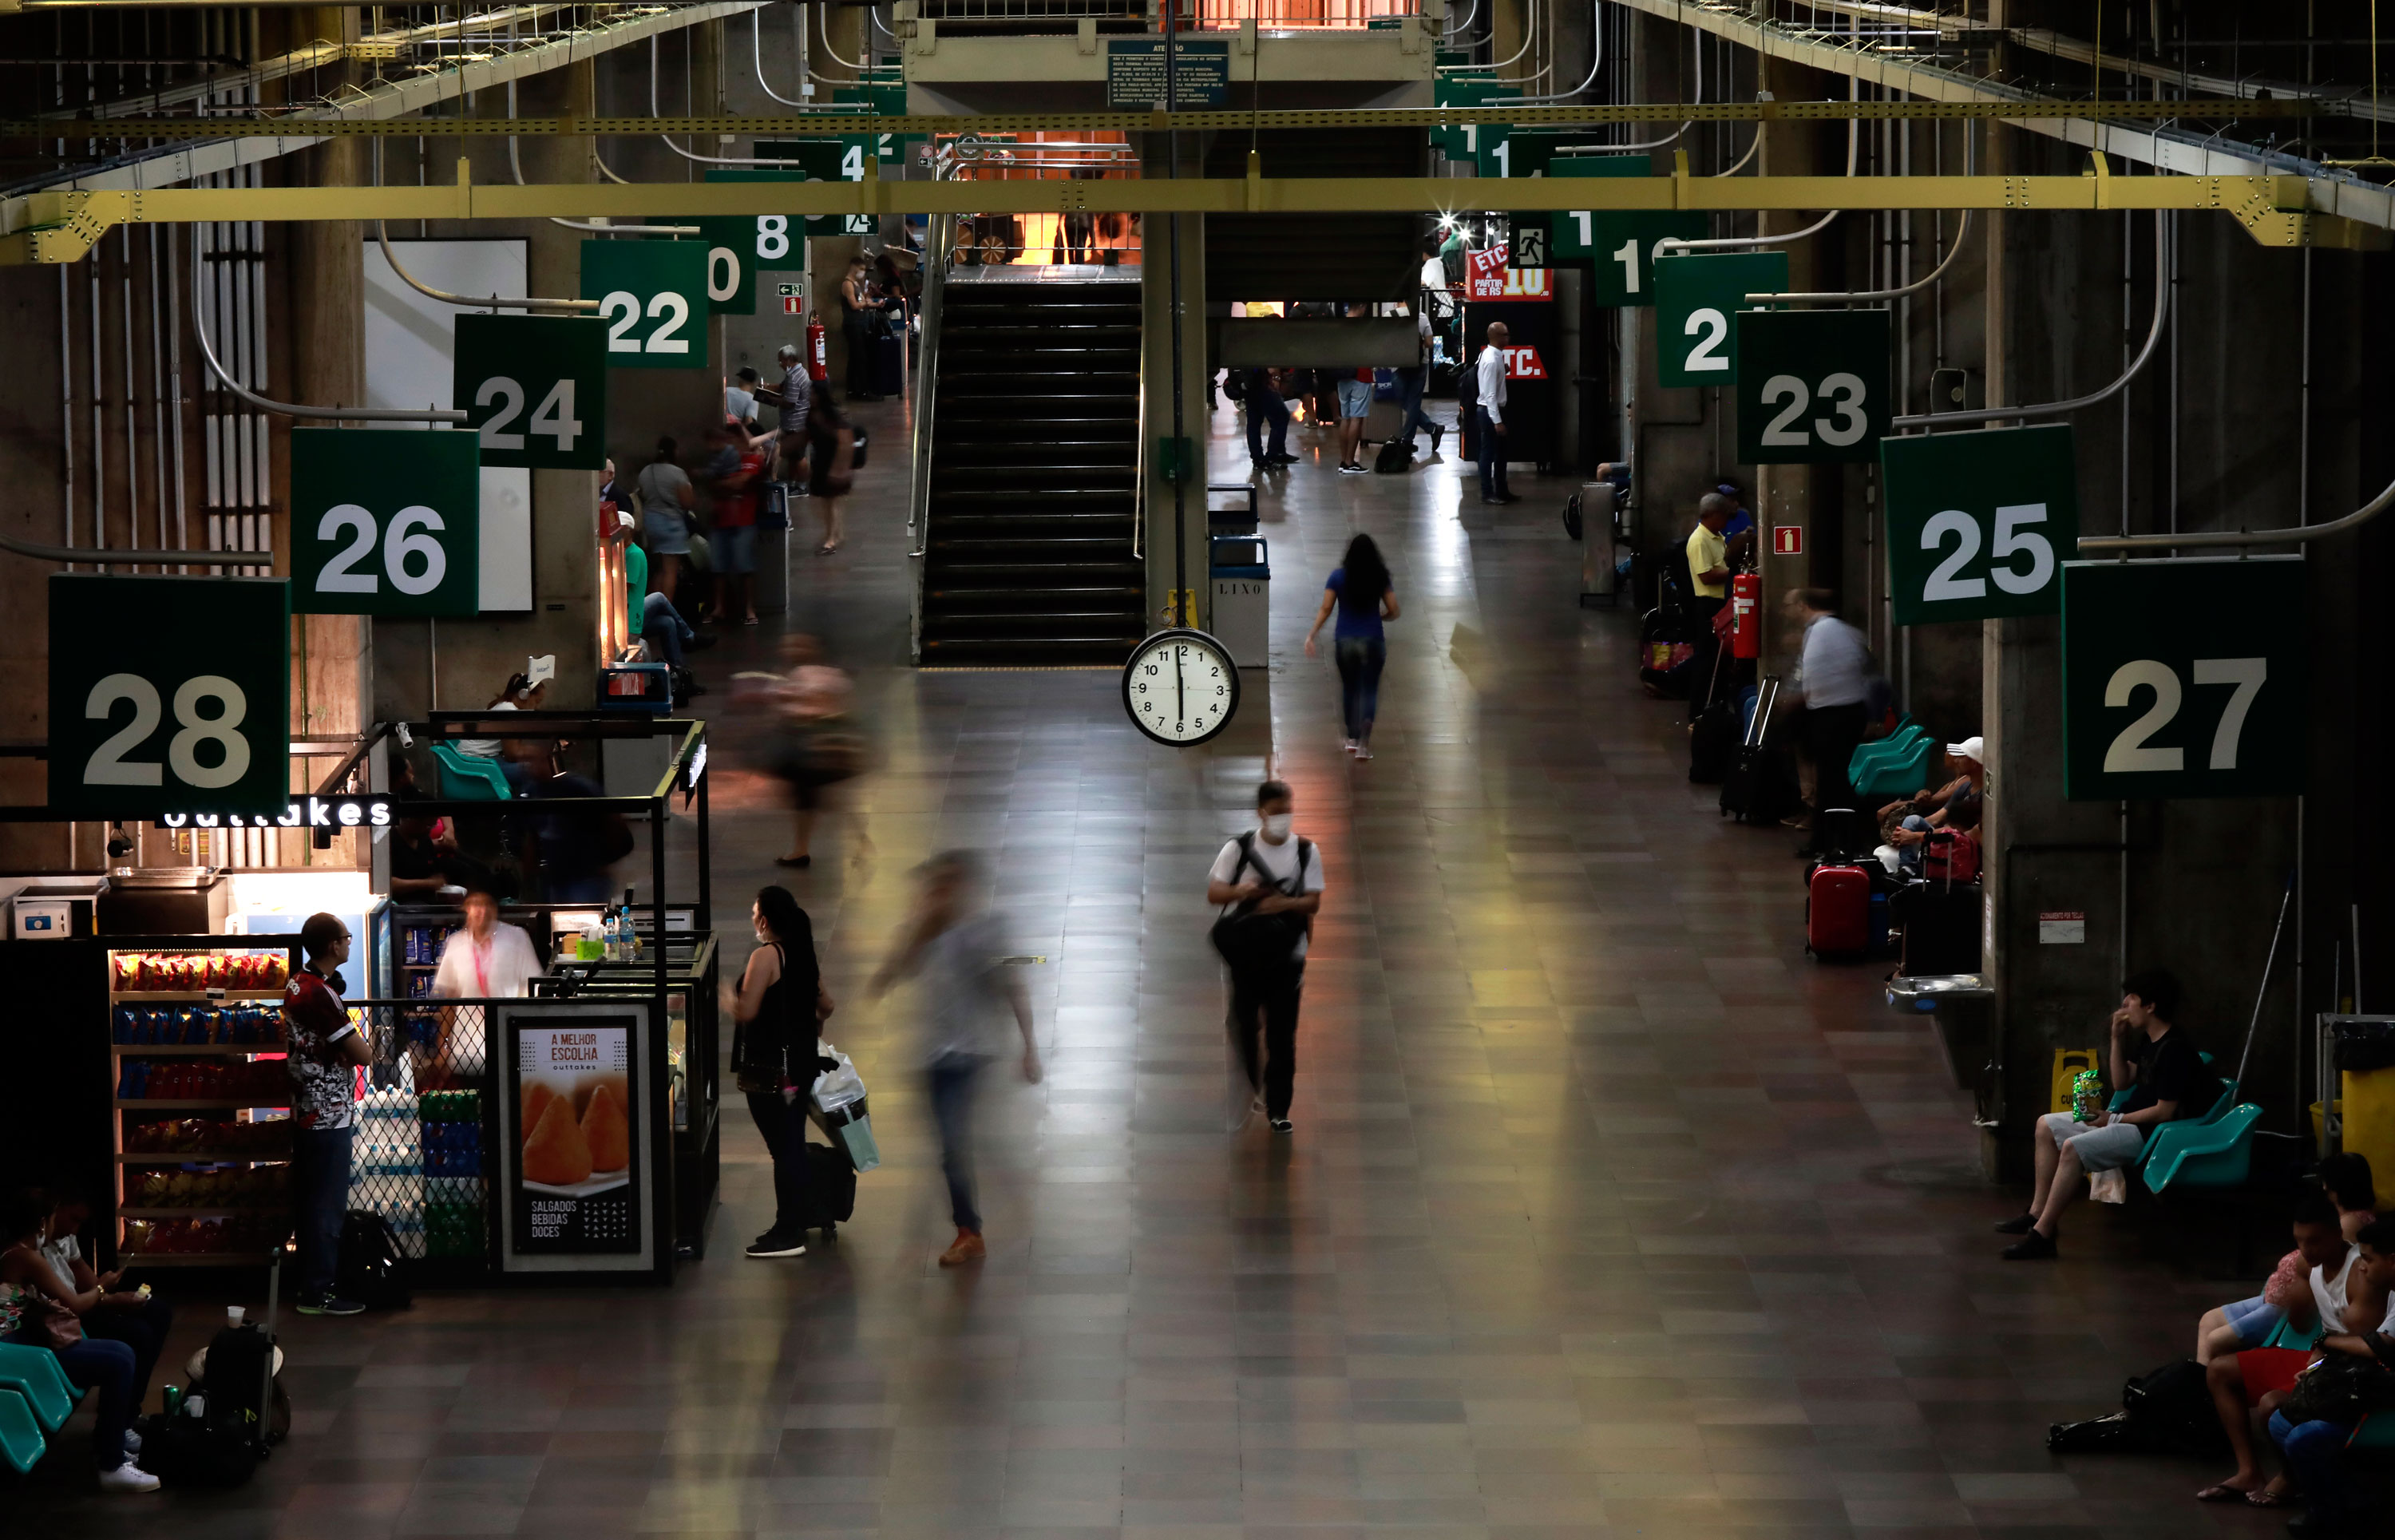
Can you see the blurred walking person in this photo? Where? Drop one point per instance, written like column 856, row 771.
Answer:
column 956, row 945
column 821, row 745
column 1359, row 588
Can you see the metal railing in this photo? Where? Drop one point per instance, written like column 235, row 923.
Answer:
column 939, row 236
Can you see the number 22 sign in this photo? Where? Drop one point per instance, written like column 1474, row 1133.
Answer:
column 654, row 297
column 2183, row 679
column 169, row 692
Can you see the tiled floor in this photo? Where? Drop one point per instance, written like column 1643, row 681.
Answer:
column 1607, row 1212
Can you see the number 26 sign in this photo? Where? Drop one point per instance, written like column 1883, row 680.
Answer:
column 169, row 692
column 385, row 522
column 2183, row 679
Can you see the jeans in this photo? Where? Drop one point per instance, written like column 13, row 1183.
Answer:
column 2311, row 1450
column 1409, row 384
column 1492, row 446
column 1360, row 658
column 1269, row 1000
column 1909, row 858
column 142, row 1328
column 664, row 628
column 1832, row 735
column 783, row 1126
column 1266, row 406
column 108, row 1366
column 320, row 1197
column 951, row 1080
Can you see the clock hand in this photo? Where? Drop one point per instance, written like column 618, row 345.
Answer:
column 1180, row 690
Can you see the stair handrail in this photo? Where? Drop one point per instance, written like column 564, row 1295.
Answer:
column 1139, row 469
column 938, row 234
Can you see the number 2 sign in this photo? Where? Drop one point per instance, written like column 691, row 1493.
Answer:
column 1978, row 522
column 169, row 692
column 385, row 522
column 2183, row 679
column 1697, row 300
column 653, row 295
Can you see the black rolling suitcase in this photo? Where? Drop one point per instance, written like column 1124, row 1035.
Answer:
column 1713, row 735
column 1757, row 789
column 1941, row 927
column 890, row 364
column 832, row 1180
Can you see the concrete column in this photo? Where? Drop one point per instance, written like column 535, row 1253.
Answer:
column 1157, row 301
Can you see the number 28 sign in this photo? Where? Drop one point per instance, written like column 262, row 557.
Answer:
column 169, row 692
column 2183, row 679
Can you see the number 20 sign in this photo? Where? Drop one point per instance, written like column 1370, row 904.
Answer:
column 2183, row 679
column 169, row 692
column 1979, row 523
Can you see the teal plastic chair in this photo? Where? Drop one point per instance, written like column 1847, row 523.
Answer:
column 1867, row 757
column 22, row 1443
column 2286, row 1333
column 2376, row 1433
column 2193, row 1154
column 470, row 778
column 33, row 1373
column 1898, row 776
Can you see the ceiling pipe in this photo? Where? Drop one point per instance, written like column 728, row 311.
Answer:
column 493, row 301
column 1936, row 272
column 333, row 413
column 515, row 164
column 2300, row 534
column 86, row 556
column 692, row 156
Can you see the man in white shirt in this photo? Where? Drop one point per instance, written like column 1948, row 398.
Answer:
column 1271, row 882
column 487, row 961
column 1491, row 415
column 1833, row 682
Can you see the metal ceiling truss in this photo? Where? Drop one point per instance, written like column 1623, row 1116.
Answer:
column 59, row 227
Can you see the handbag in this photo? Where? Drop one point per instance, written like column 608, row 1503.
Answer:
column 44, row 1323
column 2341, row 1388
column 1251, row 942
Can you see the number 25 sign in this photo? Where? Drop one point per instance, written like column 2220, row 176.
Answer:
column 2183, row 679
column 1979, row 523
column 169, row 692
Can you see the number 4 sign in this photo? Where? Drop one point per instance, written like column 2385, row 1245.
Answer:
column 169, row 692
column 2183, row 679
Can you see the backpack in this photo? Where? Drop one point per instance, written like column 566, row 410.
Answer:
column 1254, row 943
column 372, row 1269
column 1396, row 457
column 223, row 1429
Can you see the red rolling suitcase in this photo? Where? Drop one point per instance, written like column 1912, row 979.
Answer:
column 1837, row 912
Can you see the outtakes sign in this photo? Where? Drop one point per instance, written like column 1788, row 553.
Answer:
column 319, row 813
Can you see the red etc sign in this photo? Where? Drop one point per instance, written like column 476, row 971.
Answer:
column 1524, row 364
column 1486, row 276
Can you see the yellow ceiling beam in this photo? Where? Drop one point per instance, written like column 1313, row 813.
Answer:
column 1016, row 123
column 59, row 227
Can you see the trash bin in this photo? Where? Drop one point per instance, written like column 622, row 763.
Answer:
column 1242, row 600
column 2366, row 1069
column 1962, row 1006
column 770, row 587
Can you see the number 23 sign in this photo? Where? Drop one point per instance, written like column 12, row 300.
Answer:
column 169, row 692
column 2183, row 679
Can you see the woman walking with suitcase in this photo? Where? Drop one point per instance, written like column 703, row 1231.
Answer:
column 780, row 1003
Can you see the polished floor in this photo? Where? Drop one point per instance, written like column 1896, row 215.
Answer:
column 1607, row 1212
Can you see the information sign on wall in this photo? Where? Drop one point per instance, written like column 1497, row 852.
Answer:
column 1696, row 299
column 1812, row 385
column 1201, row 73
column 169, row 692
column 1979, row 523
column 2183, row 678
column 386, row 523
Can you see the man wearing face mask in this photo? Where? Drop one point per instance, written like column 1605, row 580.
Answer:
column 1271, row 882
column 326, row 1048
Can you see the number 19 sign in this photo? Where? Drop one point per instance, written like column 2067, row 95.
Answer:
column 2183, row 679
column 169, row 692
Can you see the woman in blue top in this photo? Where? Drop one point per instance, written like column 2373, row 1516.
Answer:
column 1360, row 591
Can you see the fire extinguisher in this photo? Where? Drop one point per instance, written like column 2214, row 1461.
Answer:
column 818, row 366
column 1746, row 607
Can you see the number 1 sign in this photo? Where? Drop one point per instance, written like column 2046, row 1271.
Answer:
column 1978, row 523
column 169, row 692
column 2183, row 679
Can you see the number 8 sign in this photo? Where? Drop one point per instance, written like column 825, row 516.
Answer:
column 168, row 694
column 2183, row 679
column 385, row 522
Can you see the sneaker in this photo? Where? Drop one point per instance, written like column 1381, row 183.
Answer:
column 1363, row 752
column 1437, row 432
column 330, row 1305
column 1282, row 1125
column 966, row 1247
column 1282, row 459
column 127, row 1478
column 1351, row 469
column 2032, row 1247
column 132, row 1444
column 773, row 1243
column 1346, row 746
column 2020, row 1224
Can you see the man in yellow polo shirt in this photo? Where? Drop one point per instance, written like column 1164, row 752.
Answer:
column 1708, row 588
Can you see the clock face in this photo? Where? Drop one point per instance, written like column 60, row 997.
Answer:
column 1181, row 687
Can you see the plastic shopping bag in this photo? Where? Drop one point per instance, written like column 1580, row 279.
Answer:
column 839, row 1086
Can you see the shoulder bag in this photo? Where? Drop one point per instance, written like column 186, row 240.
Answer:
column 1251, row 942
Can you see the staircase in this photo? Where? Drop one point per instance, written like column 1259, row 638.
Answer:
column 1033, row 476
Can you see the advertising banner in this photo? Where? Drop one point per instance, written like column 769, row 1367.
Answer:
column 573, row 1153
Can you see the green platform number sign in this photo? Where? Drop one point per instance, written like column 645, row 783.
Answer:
column 1696, row 301
column 826, row 160
column 1618, row 245
column 534, row 388
column 1979, row 523
column 739, row 247
column 2183, row 679
column 1812, row 386
column 169, row 692
column 387, row 521
column 653, row 297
